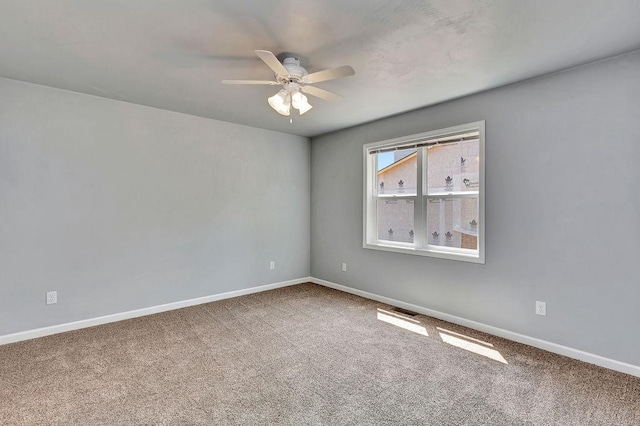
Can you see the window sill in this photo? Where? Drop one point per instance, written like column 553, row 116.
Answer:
column 462, row 257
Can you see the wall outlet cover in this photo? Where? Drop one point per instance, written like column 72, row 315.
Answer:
column 52, row 297
column 541, row 308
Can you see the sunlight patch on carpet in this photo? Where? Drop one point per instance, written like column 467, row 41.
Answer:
column 401, row 321
column 472, row 347
column 482, row 342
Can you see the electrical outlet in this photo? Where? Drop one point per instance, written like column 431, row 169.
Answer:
column 344, row 267
column 272, row 265
column 541, row 308
column 52, row 297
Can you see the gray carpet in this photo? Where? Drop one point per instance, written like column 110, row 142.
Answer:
column 301, row 355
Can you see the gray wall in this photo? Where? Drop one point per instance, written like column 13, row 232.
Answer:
column 562, row 208
column 118, row 206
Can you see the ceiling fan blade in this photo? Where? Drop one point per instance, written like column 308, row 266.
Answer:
column 330, row 74
column 272, row 62
column 320, row 93
column 270, row 83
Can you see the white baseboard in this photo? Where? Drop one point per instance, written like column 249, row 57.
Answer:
column 510, row 335
column 61, row 328
column 622, row 367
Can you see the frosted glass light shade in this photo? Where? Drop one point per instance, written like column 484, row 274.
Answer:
column 306, row 106
column 300, row 102
column 281, row 102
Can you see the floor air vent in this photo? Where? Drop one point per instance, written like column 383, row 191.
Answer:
column 405, row 312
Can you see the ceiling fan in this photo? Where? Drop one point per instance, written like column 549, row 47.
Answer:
column 295, row 80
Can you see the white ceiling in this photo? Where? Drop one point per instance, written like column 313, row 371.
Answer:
column 406, row 54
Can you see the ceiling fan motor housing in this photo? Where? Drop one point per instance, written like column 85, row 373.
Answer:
column 292, row 65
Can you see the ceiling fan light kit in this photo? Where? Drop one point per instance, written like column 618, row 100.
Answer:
column 295, row 80
column 289, row 97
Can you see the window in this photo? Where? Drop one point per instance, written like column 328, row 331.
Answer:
column 424, row 194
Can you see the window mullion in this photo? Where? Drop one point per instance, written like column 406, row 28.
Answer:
column 419, row 213
column 454, row 195
column 397, row 197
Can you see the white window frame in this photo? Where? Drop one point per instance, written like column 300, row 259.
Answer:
column 420, row 246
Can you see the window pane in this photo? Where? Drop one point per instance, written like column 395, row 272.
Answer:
column 395, row 220
column 453, row 222
column 454, row 167
column 397, row 172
